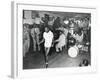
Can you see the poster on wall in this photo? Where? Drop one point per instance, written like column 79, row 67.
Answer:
column 52, row 40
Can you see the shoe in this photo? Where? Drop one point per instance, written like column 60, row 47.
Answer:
column 46, row 65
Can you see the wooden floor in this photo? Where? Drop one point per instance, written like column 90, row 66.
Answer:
column 35, row 60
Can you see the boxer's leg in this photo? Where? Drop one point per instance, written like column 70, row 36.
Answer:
column 46, row 56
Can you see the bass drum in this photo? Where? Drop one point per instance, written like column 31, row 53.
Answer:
column 73, row 51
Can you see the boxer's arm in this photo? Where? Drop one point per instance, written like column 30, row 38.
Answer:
column 41, row 41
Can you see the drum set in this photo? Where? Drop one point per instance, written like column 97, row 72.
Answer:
column 73, row 47
column 73, row 51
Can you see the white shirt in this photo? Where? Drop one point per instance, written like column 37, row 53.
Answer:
column 79, row 38
column 66, row 21
column 62, row 40
column 48, row 38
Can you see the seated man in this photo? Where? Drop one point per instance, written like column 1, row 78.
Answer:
column 78, row 36
column 61, row 42
column 65, row 32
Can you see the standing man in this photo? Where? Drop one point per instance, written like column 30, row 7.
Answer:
column 26, row 39
column 35, row 32
column 47, row 39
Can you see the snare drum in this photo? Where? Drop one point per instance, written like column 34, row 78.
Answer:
column 73, row 51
